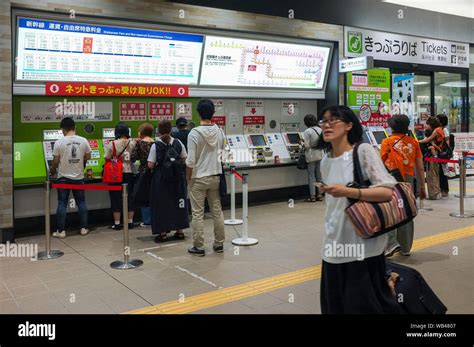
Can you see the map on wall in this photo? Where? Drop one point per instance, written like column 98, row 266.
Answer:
column 252, row 63
column 62, row 51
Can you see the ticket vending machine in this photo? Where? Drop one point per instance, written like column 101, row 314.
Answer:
column 376, row 135
column 278, row 146
column 293, row 144
column 238, row 153
column 49, row 139
column 260, row 149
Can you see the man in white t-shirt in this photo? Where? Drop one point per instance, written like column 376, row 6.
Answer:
column 70, row 155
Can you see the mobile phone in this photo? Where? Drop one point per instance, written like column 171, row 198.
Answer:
column 320, row 184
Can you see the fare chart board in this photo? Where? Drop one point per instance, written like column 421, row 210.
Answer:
column 67, row 51
column 253, row 63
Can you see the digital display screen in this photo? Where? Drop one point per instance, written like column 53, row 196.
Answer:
column 263, row 64
column 53, row 135
column 258, row 140
column 365, row 137
column 109, row 133
column 70, row 51
column 379, row 136
column 294, row 138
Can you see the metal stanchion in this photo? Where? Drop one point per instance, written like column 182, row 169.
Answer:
column 462, row 179
column 245, row 240
column 127, row 263
column 422, row 208
column 232, row 220
column 466, row 195
column 48, row 253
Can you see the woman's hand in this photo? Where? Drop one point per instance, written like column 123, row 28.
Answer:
column 338, row 190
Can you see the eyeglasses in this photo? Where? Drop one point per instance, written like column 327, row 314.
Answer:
column 330, row 121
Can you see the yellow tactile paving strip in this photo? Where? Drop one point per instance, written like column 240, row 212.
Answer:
column 242, row 291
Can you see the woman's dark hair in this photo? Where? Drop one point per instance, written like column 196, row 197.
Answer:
column 310, row 120
column 443, row 119
column 146, row 129
column 399, row 123
column 205, row 108
column 345, row 114
column 433, row 122
column 121, row 130
column 164, row 128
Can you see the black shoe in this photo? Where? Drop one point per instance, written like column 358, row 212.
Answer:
column 131, row 225
column 116, row 227
column 197, row 251
column 218, row 249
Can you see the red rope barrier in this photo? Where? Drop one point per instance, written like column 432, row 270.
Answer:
column 85, row 186
column 444, row 161
column 236, row 174
column 468, row 153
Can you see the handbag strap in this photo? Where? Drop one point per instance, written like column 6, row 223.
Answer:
column 319, row 135
column 358, row 176
column 115, row 151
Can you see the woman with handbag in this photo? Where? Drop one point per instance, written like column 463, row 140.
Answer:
column 121, row 147
column 168, row 203
column 141, row 193
column 402, row 152
column 353, row 268
column 443, row 168
column 313, row 156
column 436, row 145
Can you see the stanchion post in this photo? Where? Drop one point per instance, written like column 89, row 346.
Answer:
column 232, row 220
column 462, row 179
column 422, row 208
column 245, row 240
column 48, row 253
column 127, row 263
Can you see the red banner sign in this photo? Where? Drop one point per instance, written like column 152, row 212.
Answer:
column 219, row 120
column 377, row 120
column 132, row 111
column 161, row 110
column 254, row 120
column 114, row 89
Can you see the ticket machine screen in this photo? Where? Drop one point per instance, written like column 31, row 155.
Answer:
column 379, row 136
column 293, row 138
column 258, row 140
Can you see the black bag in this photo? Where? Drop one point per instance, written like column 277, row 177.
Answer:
column 447, row 152
column 222, row 185
column 413, row 293
column 301, row 163
column 142, row 189
column 172, row 166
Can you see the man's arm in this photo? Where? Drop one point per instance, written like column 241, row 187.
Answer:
column 191, row 158
column 420, row 170
column 54, row 165
column 87, row 156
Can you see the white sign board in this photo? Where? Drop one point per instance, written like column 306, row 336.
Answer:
column 253, row 108
column 254, row 63
column 404, row 48
column 290, row 108
column 356, row 64
column 184, row 109
column 54, row 112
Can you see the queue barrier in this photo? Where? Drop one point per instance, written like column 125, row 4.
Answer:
column 232, row 220
column 244, row 240
column 52, row 254
column 462, row 183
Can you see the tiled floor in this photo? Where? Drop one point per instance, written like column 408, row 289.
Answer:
column 289, row 239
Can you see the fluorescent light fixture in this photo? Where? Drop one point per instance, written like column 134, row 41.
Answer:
column 456, row 84
column 420, row 83
column 463, row 8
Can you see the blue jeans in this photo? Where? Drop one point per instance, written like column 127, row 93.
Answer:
column 146, row 216
column 63, row 197
column 314, row 175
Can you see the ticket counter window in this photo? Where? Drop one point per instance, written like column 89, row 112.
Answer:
column 449, row 100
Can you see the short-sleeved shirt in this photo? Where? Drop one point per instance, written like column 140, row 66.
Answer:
column 152, row 155
column 121, row 147
column 71, row 151
column 403, row 146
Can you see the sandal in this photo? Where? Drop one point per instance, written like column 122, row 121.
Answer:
column 161, row 238
column 312, row 199
column 179, row 235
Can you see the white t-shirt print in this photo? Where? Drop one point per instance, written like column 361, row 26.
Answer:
column 71, row 151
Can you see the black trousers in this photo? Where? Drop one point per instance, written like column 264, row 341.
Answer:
column 443, row 180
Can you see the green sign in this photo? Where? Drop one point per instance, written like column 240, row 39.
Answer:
column 369, row 89
column 354, row 40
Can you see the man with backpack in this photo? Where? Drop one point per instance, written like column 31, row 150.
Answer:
column 204, row 168
column 401, row 152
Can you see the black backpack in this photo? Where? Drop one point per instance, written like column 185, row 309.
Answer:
column 171, row 166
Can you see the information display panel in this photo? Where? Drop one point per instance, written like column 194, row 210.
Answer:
column 255, row 63
column 70, row 51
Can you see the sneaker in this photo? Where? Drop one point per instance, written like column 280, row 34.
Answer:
column 445, row 194
column 406, row 254
column 84, row 231
column 59, row 235
column 218, row 249
column 116, row 227
column 197, row 251
column 392, row 250
column 143, row 225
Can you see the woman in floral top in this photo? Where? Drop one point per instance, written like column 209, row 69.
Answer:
column 140, row 153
